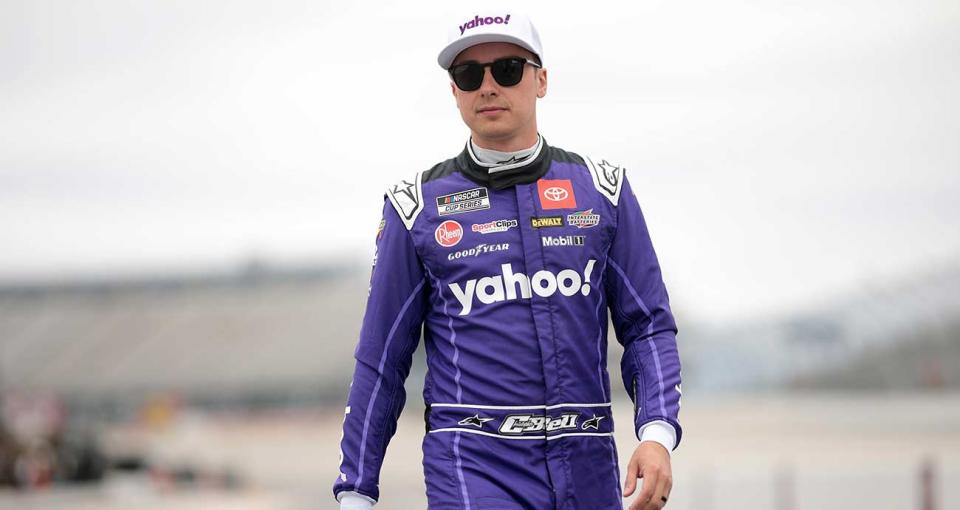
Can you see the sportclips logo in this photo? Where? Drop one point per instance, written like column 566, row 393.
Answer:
column 503, row 286
column 477, row 21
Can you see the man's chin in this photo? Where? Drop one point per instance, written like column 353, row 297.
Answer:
column 494, row 132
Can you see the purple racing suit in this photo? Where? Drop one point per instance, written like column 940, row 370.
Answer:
column 510, row 275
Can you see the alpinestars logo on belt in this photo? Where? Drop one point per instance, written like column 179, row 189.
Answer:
column 592, row 423
column 475, row 421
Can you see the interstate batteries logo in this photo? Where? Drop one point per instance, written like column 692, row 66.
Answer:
column 463, row 201
column 583, row 219
column 448, row 234
column 509, row 286
column 493, row 226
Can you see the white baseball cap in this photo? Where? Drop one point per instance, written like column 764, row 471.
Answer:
column 502, row 25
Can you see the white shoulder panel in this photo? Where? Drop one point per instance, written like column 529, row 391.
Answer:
column 607, row 178
column 407, row 199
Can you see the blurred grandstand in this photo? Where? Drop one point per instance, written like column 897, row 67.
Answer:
column 268, row 336
column 902, row 334
column 252, row 337
column 90, row 370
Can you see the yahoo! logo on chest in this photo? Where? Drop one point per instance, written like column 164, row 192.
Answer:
column 503, row 286
column 489, row 20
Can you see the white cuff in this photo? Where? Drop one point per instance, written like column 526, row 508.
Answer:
column 350, row 500
column 659, row 431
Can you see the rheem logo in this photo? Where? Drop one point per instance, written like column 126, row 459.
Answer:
column 448, row 234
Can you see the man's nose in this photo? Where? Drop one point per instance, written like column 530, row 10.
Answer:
column 489, row 86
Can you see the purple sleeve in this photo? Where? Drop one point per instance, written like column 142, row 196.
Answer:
column 389, row 335
column 640, row 310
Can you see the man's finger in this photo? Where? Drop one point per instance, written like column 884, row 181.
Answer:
column 631, row 481
column 663, row 491
column 646, row 493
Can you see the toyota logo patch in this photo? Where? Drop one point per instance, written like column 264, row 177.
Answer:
column 556, row 194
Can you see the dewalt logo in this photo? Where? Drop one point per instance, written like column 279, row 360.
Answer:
column 547, row 221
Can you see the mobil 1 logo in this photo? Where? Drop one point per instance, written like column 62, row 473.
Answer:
column 463, row 201
column 563, row 241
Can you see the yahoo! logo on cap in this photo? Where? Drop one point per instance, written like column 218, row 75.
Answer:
column 489, row 20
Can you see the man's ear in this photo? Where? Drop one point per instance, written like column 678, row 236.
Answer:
column 453, row 90
column 542, row 83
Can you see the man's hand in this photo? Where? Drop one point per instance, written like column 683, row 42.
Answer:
column 650, row 461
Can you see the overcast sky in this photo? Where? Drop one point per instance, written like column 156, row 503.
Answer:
column 782, row 151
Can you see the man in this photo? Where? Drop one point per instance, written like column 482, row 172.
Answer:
column 508, row 256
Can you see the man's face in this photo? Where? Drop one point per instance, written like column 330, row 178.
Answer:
column 499, row 117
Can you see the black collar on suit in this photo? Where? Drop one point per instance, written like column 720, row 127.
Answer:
column 524, row 174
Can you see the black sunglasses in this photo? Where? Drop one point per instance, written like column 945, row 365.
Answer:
column 506, row 71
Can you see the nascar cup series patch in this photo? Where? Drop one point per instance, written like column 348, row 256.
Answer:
column 463, row 201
